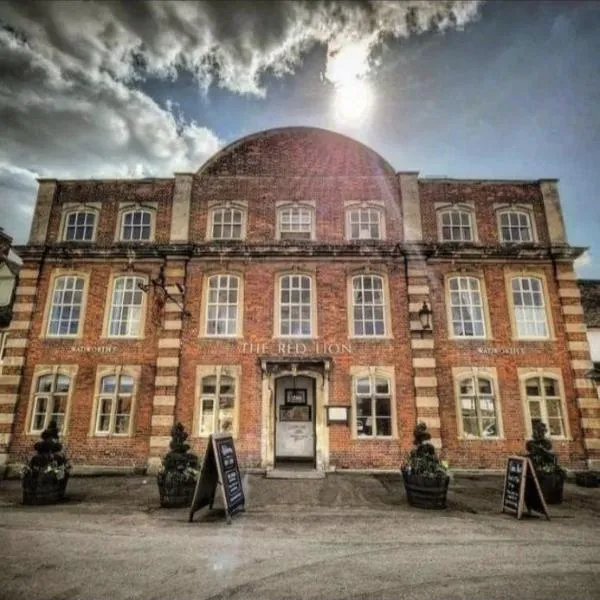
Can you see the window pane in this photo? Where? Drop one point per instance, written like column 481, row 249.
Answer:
column 383, row 407
column 209, row 385
column 384, row 426
column 207, row 416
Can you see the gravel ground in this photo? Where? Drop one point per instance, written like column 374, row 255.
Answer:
column 345, row 536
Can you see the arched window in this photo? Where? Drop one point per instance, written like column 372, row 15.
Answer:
column 115, row 401
column 222, row 305
column 364, row 224
column 466, row 307
column 295, row 306
column 66, row 306
column 544, row 404
column 136, row 225
column 126, row 307
column 515, row 226
column 79, row 226
column 368, row 306
column 373, row 405
column 529, row 306
column 227, row 224
column 50, row 401
column 217, row 404
column 478, row 407
column 456, row 226
column 295, row 223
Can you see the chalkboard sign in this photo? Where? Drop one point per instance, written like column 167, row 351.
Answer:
column 521, row 488
column 219, row 468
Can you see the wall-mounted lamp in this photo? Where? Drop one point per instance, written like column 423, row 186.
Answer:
column 158, row 283
column 425, row 318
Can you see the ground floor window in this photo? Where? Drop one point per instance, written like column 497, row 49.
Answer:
column 115, row 402
column 372, row 399
column 544, row 404
column 50, row 401
column 217, row 401
column 478, row 407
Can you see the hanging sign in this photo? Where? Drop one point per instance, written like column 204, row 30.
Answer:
column 522, row 489
column 219, row 468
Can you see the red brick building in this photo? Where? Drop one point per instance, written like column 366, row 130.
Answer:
column 276, row 293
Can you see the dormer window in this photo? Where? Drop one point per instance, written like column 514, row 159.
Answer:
column 515, row 227
column 227, row 224
column 295, row 223
column 364, row 224
column 80, row 226
column 456, row 226
column 136, row 225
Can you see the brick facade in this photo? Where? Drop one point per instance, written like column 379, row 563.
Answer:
column 328, row 175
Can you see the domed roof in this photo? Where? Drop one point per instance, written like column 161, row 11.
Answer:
column 296, row 152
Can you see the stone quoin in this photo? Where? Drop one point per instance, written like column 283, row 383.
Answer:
column 286, row 275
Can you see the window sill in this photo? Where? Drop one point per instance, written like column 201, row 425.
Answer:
column 374, row 438
column 464, row 438
column 220, row 337
column 371, row 338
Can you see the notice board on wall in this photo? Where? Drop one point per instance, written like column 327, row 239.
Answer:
column 220, row 469
column 521, row 488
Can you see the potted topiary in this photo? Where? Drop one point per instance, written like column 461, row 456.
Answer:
column 425, row 475
column 545, row 463
column 46, row 474
column 178, row 473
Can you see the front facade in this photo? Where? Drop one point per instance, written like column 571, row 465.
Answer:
column 278, row 294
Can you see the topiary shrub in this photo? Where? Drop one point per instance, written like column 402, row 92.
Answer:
column 46, row 474
column 179, row 471
column 423, row 459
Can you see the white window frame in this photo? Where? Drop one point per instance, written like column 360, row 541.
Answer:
column 359, row 209
column 114, row 397
column 3, row 339
column 519, row 212
column 474, row 378
column 122, row 309
column 373, row 374
column 470, row 295
column 460, row 213
column 75, row 213
column 554, row 374
column 218, row 372
column 231, row 210
column 52, row 305
column 303, row 229
column 227, row 304
column 383, row 306
column 519, row 309
column 143, row 210
column 300, row 304
column 49, row 396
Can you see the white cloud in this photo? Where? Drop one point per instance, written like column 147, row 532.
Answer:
column 585, row 260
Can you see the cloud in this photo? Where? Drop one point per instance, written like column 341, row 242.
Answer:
column 584, row 261
column 70, row 74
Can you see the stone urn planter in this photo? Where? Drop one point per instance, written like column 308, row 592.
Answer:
column 46, row 474
column 424, row 474
column 545, row 462
column 179, row 473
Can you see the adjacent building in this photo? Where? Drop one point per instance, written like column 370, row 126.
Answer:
column 299, row 293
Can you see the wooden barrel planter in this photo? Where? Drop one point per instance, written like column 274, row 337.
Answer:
column 552, row 485
column 424, row 491
column 589, row 479
column 175, row 489
column 43, row 488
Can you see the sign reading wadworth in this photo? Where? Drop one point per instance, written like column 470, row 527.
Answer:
column 94, row 349
column 296, row 348
column 501, row 350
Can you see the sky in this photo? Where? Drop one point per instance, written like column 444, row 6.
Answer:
column 460, row 89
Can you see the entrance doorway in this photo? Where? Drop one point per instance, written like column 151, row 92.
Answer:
column 295, row 420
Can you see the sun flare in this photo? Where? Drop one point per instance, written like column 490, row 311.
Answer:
column 353, row 101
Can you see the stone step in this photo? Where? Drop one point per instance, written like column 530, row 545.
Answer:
column 294, row 474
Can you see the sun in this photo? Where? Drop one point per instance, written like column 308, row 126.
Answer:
column 353, row 101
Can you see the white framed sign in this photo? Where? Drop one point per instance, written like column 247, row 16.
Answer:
column 338, row 415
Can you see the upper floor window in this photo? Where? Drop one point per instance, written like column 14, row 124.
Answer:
column 114, row 402
column 515, row 226
column 295, row 306
column 456, row 226
column 126, row 307
column 530, row 311
column 295, row 223
column 79, row 226
column 222, row 305
column 466, row 307
column 364, row 224
column 544, row 404
column 227, row 224
column 478, row 407
column 217, row 404
column 66, row 306
column 136, row 226
column 373, row 405
column 50, row 401
column 368, row 306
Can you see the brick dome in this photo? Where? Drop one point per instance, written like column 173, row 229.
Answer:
column 296, row 152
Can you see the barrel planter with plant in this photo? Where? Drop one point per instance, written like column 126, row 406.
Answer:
column 179, row 472
column 545, row 462
column 425, row 475
column 46, row 474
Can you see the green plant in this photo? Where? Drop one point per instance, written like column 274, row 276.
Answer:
column 179, row 459
column 539, row 450
column 423, row 459
column 50, row 460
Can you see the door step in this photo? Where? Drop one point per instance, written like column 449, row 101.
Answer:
column 294, row 474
